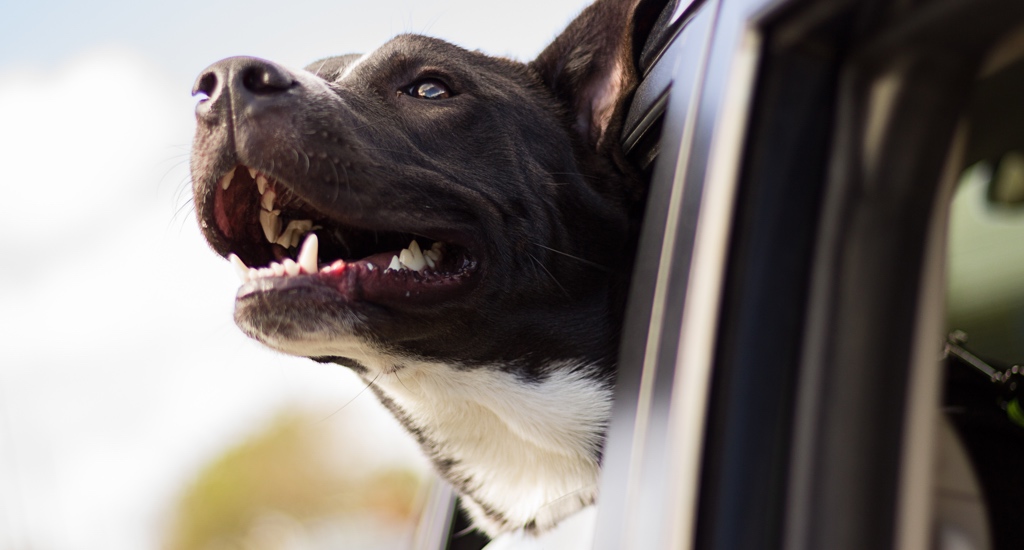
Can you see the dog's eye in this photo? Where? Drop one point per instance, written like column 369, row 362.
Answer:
column 429, row 88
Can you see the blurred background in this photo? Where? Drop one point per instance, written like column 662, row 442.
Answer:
column 133, row 414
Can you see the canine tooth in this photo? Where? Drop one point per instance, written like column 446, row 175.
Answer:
column 290, row 267
column 261, row 183
column 412, row 257
column 267, row 202
column 225, row 182
column 271, row 225
column 308, row 255
column 277, row 268
column 240, row 268
column 405, row 257
column 252, row 173
column 395, row 264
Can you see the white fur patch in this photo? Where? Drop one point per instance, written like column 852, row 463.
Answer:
column 528, row 446
column 575, row 533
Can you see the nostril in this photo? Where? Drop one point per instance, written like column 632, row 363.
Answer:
column 265, row 79
column 206, row 85
column 240, row 83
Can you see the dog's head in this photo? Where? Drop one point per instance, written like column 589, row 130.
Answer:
column 424, row 200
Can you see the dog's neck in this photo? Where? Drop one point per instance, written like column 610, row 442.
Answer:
column 529, row 449
column 524, row 452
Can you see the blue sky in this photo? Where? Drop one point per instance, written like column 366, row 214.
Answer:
column 120, row 369
column 186, row 35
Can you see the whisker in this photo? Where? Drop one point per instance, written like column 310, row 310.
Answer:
column 187, row 206
column 567, row 495
column 538, row 262
column 577, row 258
column 317, row 72
column 575, row 174
column 399, row 378
column 354, row 397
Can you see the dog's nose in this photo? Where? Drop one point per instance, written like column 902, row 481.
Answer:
column 242, row 81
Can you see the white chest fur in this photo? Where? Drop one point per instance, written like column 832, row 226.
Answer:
column 523, row 449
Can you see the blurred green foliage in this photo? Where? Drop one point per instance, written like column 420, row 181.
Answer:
column 292, row 471
column 986, row 268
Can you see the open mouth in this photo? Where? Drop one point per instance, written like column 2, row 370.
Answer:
column 278, row 241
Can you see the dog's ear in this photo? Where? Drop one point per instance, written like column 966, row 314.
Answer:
column 590, row 68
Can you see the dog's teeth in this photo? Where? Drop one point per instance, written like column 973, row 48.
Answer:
column 267, row 202
column 405, row 257
column 432, row 256
column 271, row 225
column 395, row 264
column 336, row 266
column 261, row 183
column 290, row 267
column 277, row 268
column 225, row 182
column 252, row 172
column 240, row 268
column 412, row 257
column 292, row 235
column 309, row 252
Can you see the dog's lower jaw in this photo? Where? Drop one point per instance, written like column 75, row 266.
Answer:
column 523, row 453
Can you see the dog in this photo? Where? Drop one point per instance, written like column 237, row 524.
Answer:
column 458, row 229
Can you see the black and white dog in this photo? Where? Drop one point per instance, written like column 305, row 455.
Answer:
column 456, row 228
